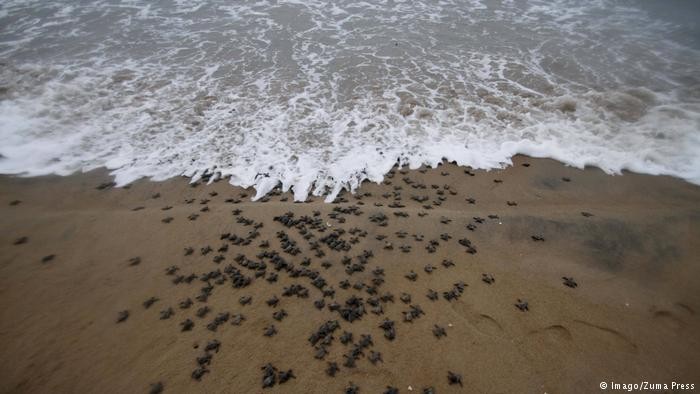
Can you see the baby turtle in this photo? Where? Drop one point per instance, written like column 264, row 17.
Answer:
column 448, row 263
column 187, row 325
column 201, row 312
column 586, row 214
column 375, row 357
column 198, row 373
column 165, row 314
column 147, row 304
column 346, row 338
column 270, row 330
column 122, row 316
column 569, row 282
column 245, row 300
column 284, row 376
column 389, row 329
column 15, row 202
column 454, row 378
column 21, row 240
column 279, row 315
column 167, row 219
column 537, row 238
column 405, row 298
column 429, row 268
column 48, row 258
column 212, row 346
column 156, row 388
column 269, row 376
column 188, row 251
column 511, row 203
column 432, row 295
column 522, row 305
column 412, row 276
column 134, row 261
column 319, row 304
column 391, row 390
column 321, row 352
column 352, row 389
column 185, row 303
column 332, row 369
column 273, row 301
column 487, row 278
column 237, row 319
column 439, row 331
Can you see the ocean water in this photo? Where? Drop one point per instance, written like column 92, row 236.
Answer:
column 319, row 96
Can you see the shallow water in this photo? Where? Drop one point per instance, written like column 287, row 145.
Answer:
column 320, row 95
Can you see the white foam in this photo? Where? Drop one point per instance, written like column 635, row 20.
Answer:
column 320, row 98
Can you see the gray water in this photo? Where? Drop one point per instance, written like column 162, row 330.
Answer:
column 321, row 95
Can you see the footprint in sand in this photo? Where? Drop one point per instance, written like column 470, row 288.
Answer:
column 609, row 337
column 668, row 319
column 685, row 308
column 487, row 325
column 552, row 335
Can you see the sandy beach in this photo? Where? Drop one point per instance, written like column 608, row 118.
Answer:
column 537, row 278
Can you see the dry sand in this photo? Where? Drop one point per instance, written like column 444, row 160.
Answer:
column 633, row 316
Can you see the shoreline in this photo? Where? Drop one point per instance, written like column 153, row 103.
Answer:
column 627, row 241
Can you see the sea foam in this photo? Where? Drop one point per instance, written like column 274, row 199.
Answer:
column 318, row 99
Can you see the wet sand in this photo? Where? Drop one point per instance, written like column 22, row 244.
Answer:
column 632, row 257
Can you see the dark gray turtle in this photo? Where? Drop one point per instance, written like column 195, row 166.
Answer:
column 20, row 241
column 122, row 316
column 412, row 276
column 147, row 304
column 166, row 313
column 569, row 282
column 201, row 312
column 269, row 376
column 237, row 319
column 270, row 330
column 185, row 303
column 187, row 325
column 454, row 378
column 156, row 388
column 321, row 352
column 432, row 295
column 284, row 376
column 487, row 278
column 352, row 389
column 279, row 315
column 198, row 373
column 332, row 369
column 439, row 331
column 522, row 305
